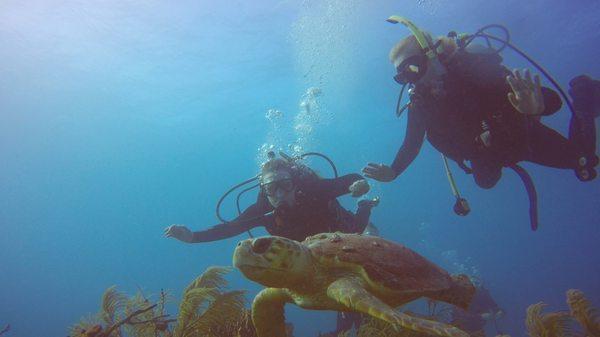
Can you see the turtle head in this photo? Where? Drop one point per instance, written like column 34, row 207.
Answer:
column 273, row 261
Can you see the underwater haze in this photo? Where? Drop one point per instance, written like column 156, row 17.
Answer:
column 119, row 118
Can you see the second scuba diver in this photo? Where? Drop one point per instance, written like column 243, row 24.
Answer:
column 295, row 203
column 471, row 108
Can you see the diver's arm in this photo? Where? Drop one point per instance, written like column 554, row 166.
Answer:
column 222, row 231
column 251, row 217
column 336, row 187
column 413, row 140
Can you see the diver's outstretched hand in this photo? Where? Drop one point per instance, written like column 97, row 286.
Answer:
column 181, row 233
column 526, row 95
column 379, row 172
column 359, row 188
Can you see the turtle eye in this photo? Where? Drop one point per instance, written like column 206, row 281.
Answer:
column 261, row 245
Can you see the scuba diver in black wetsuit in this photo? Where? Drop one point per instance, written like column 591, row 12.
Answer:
column 295, row 203
column 471, row 108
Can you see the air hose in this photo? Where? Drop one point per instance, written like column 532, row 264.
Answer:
column 531, row 193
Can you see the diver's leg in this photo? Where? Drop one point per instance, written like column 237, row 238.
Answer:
column 487, row 173
column 582, row 135
column 547, row 147
column 586, row 104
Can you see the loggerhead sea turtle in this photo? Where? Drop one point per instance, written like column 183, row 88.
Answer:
column 345, row 272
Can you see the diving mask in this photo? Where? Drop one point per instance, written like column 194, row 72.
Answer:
column 411, row 70
column 286, row 185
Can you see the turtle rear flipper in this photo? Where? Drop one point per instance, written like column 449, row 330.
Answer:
column 268, row 314
column 351, row 293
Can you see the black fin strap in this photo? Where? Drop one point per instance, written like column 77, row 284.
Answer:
column 531, row 193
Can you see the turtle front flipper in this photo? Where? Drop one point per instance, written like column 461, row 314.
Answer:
column 267, row 312
column 351, row 293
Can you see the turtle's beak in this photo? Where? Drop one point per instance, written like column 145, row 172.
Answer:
column 242, row 254
column 249, row 253
column 264, row 260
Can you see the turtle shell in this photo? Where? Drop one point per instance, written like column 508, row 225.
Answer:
column 385, row 263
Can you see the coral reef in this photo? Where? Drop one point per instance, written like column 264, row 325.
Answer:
column 206, row 310
column 559, row 324
column 5, row 330
column 138, row 317
column 555, row 324
column 583, row 312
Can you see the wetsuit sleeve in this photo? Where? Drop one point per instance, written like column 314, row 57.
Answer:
column 333, row 188
column 413, row 140
column 250, row 218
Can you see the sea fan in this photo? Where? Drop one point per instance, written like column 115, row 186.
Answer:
column 213, row 277
column 112, row 303
column 134, row 304
column 240, row 326
column 583, row 312
column 193, row 300
column 556, row 324
column 226, row 307
column 204, row 305
column 85, row 324
column 164, row 298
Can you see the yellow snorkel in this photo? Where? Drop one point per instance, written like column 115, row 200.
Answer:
column 424, row 39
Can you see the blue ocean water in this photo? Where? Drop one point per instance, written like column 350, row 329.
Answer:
column 118, row 118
